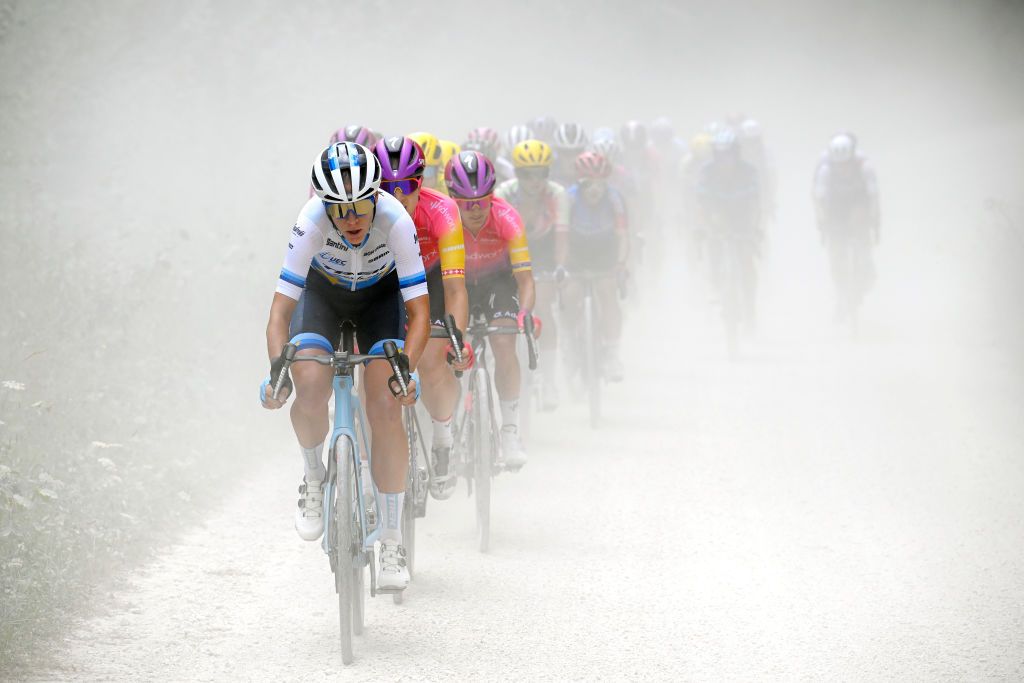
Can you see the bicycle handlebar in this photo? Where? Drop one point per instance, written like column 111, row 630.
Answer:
column 338, row 359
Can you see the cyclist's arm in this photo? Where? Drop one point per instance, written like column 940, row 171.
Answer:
column 412, row 280
column 453, row 269
column 277, row 327
column 527, row 293
column 306, row 240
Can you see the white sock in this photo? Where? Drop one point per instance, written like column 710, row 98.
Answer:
column 442, row 432
column 510, row 413
column 313, row 462
column 390, row 505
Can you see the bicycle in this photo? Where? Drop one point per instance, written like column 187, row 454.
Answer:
column 476, row 439
column 347, row 539
column 732, row 267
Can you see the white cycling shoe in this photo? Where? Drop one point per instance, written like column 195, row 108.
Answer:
column 309, row 518
column 512, row 452
column 392, row 574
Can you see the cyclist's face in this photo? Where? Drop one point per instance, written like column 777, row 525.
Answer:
column 352, row 225
column 474, row 213
column 532, row 181
column 409, row 201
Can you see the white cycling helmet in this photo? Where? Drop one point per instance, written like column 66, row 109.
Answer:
column 840, row 148
column 570, row 136
column 724, row 140
column 346, row 163
column 517, row 134
column 608, row 148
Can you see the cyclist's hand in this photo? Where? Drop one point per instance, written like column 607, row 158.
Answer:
column 410, row 398
column 267, row 387
column 521, row 321
column 468, row 358
column 560, row 274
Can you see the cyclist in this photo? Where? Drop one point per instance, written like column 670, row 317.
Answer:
column 570, row 141
column 700, row 153
column 599, row 245
column 439, row 231
column 352, row 256
column 544, row 209
column 498, row 278
column 847, row 207
column 754, row 152
column 428, row 142
column 729, row 209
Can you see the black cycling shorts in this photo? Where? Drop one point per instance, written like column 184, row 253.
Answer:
column 496, row 295
column 377, row 310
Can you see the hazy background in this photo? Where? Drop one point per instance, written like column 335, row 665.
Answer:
column 153, row 157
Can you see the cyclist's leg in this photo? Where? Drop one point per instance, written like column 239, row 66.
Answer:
column 313, row 323
column 440, row 388
column 504, row 307
column 609, row 323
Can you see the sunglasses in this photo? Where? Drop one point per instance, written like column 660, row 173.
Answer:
column 342, row 210
column 470, row 204
column 406, row 185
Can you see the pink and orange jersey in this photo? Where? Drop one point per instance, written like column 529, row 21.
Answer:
column 439, row 230
column 499, row 246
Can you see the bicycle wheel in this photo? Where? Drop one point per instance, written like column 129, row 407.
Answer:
column 730, row 298
column 483, row 452
column 344, row 509
column 590, row 361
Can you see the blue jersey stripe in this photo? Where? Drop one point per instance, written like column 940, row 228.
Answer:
column 413, row 280
column 292, row 278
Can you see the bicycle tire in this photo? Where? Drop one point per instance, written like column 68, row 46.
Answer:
column 343, row 512
column 483, row 452
column 590, row 363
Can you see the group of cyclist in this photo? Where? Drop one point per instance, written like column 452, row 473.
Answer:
column 401, row 231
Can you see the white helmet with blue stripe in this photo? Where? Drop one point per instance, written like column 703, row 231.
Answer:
column 346, row 172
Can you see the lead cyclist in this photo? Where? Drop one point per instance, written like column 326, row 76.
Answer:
column 352, row 256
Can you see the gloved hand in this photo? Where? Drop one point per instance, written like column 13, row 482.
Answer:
column 267, row 386
column 468, row 357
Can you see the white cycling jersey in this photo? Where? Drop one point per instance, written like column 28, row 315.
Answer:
column 390, row 244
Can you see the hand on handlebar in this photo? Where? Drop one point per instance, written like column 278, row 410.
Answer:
column 408, row 393
column 536, row 323
column 468, row 357
column 560, row 274
column 267, row 387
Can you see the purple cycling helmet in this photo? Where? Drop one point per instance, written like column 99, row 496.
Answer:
column 361, row 135
column 400, row 158
column 470, row 175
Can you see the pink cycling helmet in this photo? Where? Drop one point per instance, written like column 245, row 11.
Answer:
column 469, row 175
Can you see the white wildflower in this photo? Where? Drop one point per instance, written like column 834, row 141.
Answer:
column 107, row 464
column 13, row 386
column 183, row 495
column 104, row 444
column 48, row 493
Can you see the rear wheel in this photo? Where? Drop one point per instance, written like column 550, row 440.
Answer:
column 344, row 508
column 484, row 457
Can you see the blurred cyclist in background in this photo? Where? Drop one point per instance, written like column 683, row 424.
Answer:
column 543, row 208
column 846, row 204
column 448, row 149
column 570, row 141
column 754, row 152
column 598, row 248
column 543, row 128
column 689, row 217
column 729, row 209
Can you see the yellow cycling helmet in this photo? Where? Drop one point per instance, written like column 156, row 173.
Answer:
column 428, row 143
column 448, row 150
column 530, row 153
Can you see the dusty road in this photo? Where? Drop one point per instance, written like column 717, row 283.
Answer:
column 823, row 510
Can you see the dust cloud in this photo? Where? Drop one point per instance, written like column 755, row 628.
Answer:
column 154, row 156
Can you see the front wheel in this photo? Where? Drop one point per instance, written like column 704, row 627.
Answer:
column 591, row 366
column 483, row 459
column 344, row 508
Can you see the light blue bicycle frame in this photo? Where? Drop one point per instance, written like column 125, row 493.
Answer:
column 346, row 403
